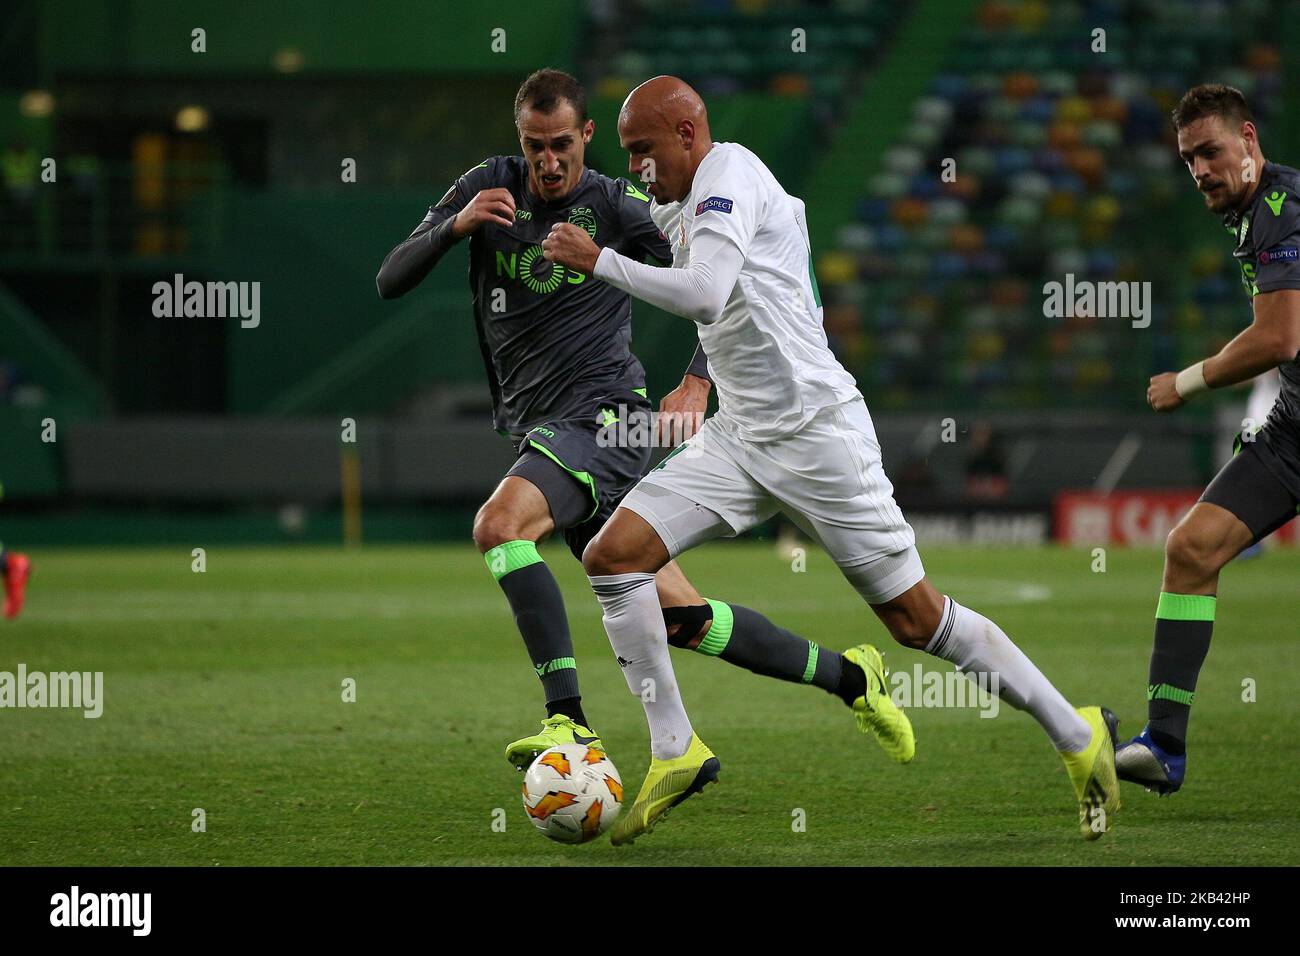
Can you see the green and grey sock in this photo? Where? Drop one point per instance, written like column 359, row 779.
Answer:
column 1184, row 624
column 535, row 598
column 746, row 638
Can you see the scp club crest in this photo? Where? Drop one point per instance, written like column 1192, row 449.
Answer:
column 584, row 218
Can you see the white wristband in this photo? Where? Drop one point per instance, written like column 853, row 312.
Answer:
column 1190, row 381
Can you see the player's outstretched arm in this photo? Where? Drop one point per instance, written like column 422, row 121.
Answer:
column 460, row 212
column 412, row 259
column 1271, row 340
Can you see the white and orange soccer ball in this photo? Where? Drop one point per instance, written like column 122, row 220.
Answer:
column 572, row 793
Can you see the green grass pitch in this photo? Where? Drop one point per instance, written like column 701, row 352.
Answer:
column 223, row 692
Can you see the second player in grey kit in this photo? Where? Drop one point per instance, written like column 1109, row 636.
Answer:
column 556, row 344
column 1258, row 491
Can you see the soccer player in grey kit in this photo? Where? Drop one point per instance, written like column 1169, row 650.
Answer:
column 556, row 346
column 1258, row 491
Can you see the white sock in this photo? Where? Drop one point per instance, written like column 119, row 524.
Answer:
column 636, row 630
column 978, row 646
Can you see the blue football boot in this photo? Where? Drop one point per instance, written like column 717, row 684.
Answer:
column 1141, row 761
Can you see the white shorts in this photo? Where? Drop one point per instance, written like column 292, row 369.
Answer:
column 827, row 477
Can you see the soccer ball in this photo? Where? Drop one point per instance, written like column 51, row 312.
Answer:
column 572, row 793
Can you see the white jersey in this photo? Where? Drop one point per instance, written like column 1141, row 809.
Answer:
column 768, row 355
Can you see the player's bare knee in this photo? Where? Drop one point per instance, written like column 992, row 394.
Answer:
column 913, row 617
column 603, row 555
column 910, row 633
column 493, row 526
column 1194, row 548
column 906, row 628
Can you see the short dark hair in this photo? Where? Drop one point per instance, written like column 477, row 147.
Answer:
column 1212, row 99
column 543, row 90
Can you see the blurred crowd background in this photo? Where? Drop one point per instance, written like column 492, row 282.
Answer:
column 228, row 164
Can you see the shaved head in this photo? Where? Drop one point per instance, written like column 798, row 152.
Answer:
column 665, row 129
column 666, row 100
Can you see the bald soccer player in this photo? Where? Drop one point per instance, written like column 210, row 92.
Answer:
column 792, row 434
column 557, row 346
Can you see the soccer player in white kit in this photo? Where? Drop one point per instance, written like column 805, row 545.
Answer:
column 792, row 433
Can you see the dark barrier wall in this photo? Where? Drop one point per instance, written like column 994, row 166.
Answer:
column 929, row 459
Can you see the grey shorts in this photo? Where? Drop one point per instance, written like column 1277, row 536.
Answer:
column 1249, row 489
column 581, row 472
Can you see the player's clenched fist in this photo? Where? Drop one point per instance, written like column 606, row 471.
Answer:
column 569, row 245
column 488, row 205
column 1163, row 395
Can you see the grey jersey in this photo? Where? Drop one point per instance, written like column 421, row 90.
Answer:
column 1268, row 251
column 553, row 341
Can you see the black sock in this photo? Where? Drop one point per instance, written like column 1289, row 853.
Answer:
column 570, row 707
column 535, row 598
column 853, row 683
column 1184, row 624
column 748, row 639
